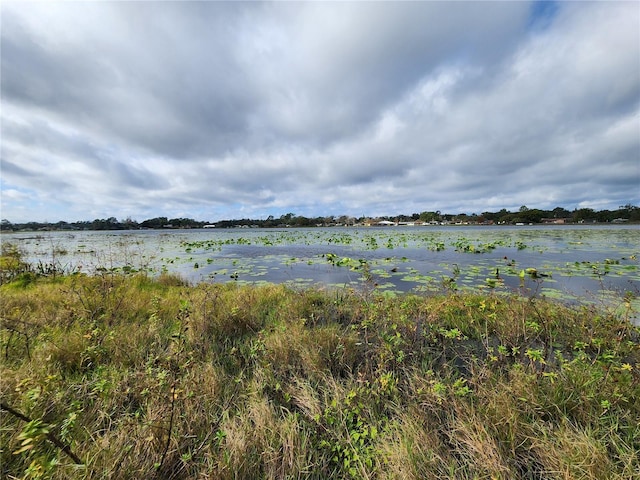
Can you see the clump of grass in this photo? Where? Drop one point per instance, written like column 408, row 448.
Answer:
column 160, row 379
column 12, row 265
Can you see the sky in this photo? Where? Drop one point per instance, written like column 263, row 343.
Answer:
column 228, row 110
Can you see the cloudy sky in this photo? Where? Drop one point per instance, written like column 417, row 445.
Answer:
column 214, row 110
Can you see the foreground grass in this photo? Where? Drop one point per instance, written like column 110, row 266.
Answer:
column 143, row 378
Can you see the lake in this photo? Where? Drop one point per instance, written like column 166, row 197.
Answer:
column 573, row 263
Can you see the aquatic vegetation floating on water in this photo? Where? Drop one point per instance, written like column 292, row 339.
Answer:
column 533, row 273
column 587, row 260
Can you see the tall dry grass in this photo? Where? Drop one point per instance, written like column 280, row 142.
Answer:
column 153, row 378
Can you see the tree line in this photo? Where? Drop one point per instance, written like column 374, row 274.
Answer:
column 626, row 213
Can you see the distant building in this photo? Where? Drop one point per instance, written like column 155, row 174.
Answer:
column 556, row 221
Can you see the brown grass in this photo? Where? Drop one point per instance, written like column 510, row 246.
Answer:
column 157, row 379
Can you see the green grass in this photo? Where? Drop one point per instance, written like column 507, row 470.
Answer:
column 153, row 378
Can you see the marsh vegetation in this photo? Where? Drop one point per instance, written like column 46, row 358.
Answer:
column 570, row 263
column 124, row 374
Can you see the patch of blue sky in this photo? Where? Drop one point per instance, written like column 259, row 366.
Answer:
column 15, row 199
column 13, row 192
column 542, row 13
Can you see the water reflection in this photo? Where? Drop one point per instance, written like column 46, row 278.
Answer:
column 570, row 262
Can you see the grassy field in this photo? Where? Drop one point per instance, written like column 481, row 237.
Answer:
column 116, row 376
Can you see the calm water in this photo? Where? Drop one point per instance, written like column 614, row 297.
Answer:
column 598, row 263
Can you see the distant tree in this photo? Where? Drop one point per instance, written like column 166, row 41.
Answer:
column 491, row 216
column 584, row 215
column 532, row 215
column 269, row 222
column 157, row 222
column 628, row 211
column 605, row 216
column 184, row 223
column 302, row 221
column 129, row 224
column 431, row 216
column 560, row 212
column 286, row 219
column 63, row 226
column 504, row 216
column 83, row 225
column 100, row 224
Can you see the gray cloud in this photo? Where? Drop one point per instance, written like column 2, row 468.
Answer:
column 223, row 109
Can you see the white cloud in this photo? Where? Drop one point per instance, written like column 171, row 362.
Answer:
column 357, row 108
